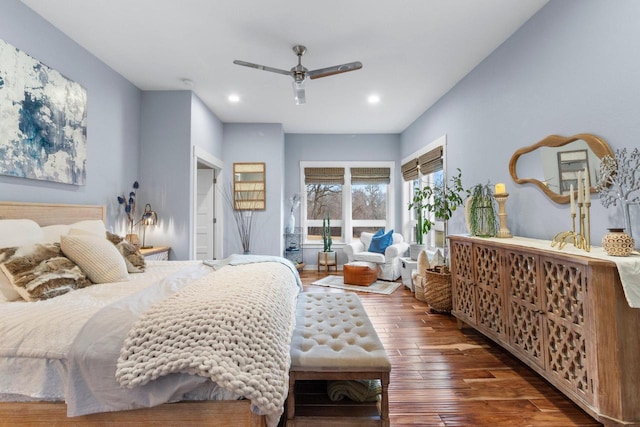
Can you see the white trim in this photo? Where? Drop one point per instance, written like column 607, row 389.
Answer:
column 346, row 195
column 201, row 156
column 441, row 141
column 407, row 222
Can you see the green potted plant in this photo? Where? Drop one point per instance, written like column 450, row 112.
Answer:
column 326, row 234
column 482, row 217
column 436, row 201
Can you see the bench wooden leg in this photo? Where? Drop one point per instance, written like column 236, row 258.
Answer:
column 384, row 404
column 291, row 401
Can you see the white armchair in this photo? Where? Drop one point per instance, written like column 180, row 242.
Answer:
column 389, row 264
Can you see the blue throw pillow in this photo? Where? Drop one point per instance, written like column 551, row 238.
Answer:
column 380, row 242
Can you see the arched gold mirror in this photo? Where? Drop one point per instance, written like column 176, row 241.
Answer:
column 553, row 163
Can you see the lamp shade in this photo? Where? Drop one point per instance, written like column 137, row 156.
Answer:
column 149, row 216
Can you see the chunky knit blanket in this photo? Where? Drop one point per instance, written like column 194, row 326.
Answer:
column 233, row 326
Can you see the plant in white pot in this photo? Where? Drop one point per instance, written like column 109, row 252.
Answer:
column 436, row 201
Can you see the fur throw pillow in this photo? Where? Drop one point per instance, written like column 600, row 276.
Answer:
column 132, row 256
column 41, row 271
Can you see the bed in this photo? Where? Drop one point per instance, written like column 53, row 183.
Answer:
column 201, row 373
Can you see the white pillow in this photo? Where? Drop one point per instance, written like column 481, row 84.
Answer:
column 96, row 256
column 93, row 226
column 52, row 233
column 19, row 232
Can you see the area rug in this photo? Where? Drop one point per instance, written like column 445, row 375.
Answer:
column 379, row 287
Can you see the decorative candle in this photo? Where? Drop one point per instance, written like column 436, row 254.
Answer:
column 501, row 188
column 573, row 201
column 580, row 190
column 587, row 187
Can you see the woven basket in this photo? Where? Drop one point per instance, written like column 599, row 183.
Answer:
column 437, row 289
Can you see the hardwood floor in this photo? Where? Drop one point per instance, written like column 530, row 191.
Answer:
column 444, row 376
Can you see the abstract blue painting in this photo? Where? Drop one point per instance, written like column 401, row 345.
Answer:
column 43, row 121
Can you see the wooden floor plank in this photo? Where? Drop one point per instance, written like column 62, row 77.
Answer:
column 442, row 376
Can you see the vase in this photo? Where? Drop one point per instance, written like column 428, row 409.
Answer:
column 291, row 225
column 617, row 243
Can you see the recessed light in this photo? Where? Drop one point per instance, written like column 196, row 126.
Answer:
column 233, row 98
column 373, row 99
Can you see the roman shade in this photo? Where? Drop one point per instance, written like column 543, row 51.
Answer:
column 370, row 175
column 324, row 176
column 431, row 161
column 410, row 170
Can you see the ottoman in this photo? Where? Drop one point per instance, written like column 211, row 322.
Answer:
column 360, row 273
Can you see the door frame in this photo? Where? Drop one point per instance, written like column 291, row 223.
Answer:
column 201, row 156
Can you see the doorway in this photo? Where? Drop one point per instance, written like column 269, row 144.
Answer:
column 205, row 212
column 206, row 225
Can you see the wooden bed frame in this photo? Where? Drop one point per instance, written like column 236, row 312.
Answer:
column 235, row 413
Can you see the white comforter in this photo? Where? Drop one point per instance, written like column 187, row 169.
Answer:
column 51, row 337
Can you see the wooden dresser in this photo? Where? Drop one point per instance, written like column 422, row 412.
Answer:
column 562, row 314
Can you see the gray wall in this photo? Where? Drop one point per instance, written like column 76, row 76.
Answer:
column 256, row 142
column 339, row 147
column 165, row 167
column 572, row 68
column 113, row 117
column 173, row 122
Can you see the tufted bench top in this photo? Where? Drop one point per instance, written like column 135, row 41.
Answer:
column 333, row 333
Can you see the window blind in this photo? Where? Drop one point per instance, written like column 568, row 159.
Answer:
column 431, row 162
column 324, row 176
column 370, row 175
column 410, row 170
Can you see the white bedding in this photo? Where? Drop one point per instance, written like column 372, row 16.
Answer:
column 38, row 340
column 42, row 331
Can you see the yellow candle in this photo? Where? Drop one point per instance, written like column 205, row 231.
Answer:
column 572, row 198
column 501, row 188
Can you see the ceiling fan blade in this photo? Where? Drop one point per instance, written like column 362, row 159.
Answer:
column 262, row 67
column 336, row 69
column 298, row 92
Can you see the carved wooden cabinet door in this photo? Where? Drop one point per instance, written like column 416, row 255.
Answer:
column 490, row 293
column 524, row 301
column 462, row 282
column 566, row 334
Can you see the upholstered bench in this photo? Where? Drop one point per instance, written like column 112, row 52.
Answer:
column 360, row 273
column 334, row 340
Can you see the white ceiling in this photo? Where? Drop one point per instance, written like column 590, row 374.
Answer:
column 413, row 52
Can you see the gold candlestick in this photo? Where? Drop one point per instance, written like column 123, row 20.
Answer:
column 563, row 237
column 502, row 214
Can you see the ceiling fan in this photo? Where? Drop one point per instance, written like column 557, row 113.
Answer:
column 300, row 73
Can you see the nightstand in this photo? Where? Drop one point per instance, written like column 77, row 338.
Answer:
column 156, row 253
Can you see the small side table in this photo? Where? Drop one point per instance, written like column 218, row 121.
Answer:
column 408, row 266
column 156, row 253
column 328, row 260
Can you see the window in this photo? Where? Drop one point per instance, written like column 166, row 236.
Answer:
column 323, row 200
column 368, row 199
column 356, row 197
column 418, row 172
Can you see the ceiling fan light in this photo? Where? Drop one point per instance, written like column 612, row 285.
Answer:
column 298, row 92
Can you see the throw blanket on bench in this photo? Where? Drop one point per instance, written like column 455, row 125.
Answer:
column 245, row 349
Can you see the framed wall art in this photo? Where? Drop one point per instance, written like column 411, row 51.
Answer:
column 43, row 121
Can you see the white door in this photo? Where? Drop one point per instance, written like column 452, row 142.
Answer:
column 205, row 213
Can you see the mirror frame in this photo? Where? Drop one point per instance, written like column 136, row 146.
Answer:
column 599, row 147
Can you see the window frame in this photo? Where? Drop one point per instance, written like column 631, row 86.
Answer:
column 346, row 222
column 409, row 220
